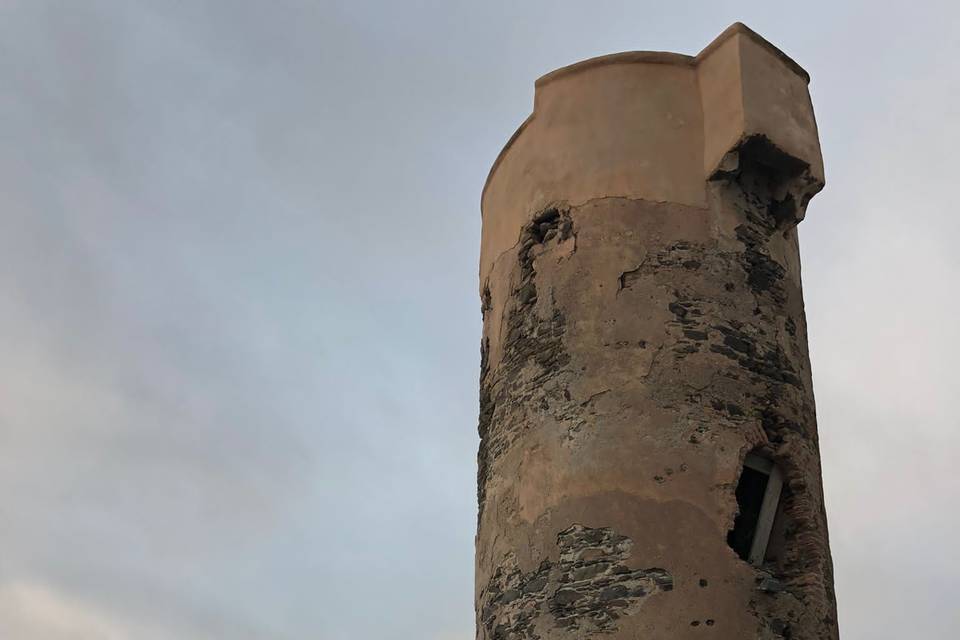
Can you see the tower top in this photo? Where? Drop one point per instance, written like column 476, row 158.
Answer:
column 657, row 126
column 666, row 57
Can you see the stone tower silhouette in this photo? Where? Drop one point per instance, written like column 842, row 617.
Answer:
column 649, row 463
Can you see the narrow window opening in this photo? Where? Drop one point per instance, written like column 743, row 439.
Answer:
column 758, row 496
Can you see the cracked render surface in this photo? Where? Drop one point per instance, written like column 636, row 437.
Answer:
column 633, row 353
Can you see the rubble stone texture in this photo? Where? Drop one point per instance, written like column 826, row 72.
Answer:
column 643, row 332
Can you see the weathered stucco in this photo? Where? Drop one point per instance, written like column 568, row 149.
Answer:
column 643, row 332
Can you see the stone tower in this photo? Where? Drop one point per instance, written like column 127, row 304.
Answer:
column 649, row 463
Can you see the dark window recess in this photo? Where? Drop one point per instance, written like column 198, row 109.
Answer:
column 758, row 495
column 750, row 490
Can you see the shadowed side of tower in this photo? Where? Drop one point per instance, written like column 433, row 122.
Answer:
column 649, row 463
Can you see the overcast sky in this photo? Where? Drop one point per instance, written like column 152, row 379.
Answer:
column 239, row 324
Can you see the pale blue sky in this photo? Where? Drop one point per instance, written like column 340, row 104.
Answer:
column 239, row 323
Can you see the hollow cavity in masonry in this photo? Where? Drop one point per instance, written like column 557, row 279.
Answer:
column 758, row 495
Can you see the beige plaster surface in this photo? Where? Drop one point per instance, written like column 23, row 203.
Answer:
column 634, row 124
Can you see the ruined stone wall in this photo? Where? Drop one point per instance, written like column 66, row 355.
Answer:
column 641, row 337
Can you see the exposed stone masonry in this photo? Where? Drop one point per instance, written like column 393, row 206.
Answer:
column 528, row 340
column 587, row 589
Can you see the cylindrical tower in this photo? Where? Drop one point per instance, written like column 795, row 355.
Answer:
column 649, row 464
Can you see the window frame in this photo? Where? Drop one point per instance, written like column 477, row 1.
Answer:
column 768, row 507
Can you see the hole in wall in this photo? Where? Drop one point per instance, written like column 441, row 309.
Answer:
column 773, row 175
column 758, row 500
